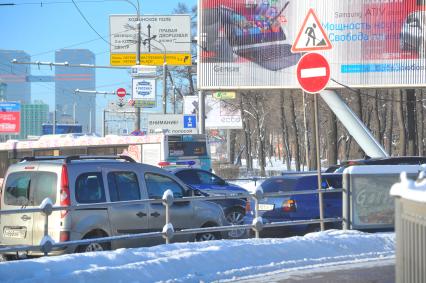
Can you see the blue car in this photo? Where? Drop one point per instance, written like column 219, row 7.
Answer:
column 210, row 184
column 297, row 207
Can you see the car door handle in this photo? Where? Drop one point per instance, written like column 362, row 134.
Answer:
column 155, row 214
column 25, row 217
column 140, row 214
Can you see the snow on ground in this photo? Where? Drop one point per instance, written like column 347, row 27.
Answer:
column 223, row 260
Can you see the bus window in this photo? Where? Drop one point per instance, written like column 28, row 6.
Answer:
column 20, row 154
column 73, row 151
column 50, row 152
column 100, row 150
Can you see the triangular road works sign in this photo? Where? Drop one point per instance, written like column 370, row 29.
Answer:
column 311, row 36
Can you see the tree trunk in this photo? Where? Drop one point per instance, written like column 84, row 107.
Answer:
column 389, row 124
column 261, row 137
column 284, row 133
column 411, row 122
column 332, row 139
column 356, row 150
column 295, row 133
column 376, row 119
column 246, row 129
column 420, row 122
column 232, row 136
column 401, row 123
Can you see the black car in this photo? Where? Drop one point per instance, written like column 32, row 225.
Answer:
column 208, row 183
column 392, row 160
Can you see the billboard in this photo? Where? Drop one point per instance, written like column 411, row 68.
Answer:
column 247, row 44
column 162, row 37
column 220, row 114
column 47, row 129
column 172, row 123
column 144, row 91
column 10, row 117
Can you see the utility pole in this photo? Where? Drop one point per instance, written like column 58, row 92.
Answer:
column 138, row 62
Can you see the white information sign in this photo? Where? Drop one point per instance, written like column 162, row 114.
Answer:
column 144, row 91
column 168, row 33
column 172, row 124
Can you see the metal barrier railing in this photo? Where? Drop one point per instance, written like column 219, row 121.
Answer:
column 47, row 244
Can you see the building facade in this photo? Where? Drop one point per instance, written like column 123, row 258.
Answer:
column 15, row 76
column 32, row 118
column 72, row 107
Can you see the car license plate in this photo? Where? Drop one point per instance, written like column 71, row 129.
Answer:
column 19, row 233
column 266, row 207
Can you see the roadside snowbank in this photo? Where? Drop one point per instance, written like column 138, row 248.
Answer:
column 205, row 261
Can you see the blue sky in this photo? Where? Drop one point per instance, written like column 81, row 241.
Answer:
column 39, row 30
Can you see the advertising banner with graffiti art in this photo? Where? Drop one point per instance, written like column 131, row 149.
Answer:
column 246, row 44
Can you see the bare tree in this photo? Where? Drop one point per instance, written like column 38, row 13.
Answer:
column 284, row 133
column 295, row 133
column 399, row 109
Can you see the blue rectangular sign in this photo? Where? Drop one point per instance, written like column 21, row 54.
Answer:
column 10, row 106
column 189, row 121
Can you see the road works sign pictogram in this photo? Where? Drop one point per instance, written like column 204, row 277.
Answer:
column 311, row 36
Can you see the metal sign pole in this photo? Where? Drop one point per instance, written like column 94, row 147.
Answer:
column 320, row 198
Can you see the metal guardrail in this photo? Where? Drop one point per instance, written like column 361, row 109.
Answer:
column 47, row 245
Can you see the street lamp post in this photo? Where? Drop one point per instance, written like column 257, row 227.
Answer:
column 138, row 56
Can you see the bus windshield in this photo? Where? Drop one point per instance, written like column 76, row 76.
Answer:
column 180, row 149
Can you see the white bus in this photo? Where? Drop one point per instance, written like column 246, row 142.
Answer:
column 159, row 149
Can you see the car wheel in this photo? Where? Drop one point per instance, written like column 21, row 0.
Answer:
column 206, row 237
column 235, row 217
column 94, row 247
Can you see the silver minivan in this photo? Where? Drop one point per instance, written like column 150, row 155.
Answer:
column 74, row 180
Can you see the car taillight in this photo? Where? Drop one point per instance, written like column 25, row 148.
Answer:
column 65, row 190
column 64, row 236
column 289, row 205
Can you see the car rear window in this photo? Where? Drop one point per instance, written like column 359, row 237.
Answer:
column 278, row 184
column 30, row 188
column 89, row 188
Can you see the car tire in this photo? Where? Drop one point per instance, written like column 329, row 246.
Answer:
column 94, row 247
column 208, row 236
column 235, row 217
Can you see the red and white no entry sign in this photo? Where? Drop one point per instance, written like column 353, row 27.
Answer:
column 121, row 92
column 313, row 72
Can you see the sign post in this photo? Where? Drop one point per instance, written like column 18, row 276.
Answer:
column 313, row 75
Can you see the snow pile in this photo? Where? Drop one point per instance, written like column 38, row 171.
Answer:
column 410, row 189
column 205, row 261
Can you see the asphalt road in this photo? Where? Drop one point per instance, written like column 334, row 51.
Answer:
column 382, row 271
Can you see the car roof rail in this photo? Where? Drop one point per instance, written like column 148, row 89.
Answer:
column 41, row 158
column 127, row 158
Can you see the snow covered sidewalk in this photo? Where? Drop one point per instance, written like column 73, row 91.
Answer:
column 206, row 261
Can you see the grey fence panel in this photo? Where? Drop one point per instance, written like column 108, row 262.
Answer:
column 167, row 232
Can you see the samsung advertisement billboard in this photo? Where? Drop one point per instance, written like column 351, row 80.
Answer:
column 248, row 44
